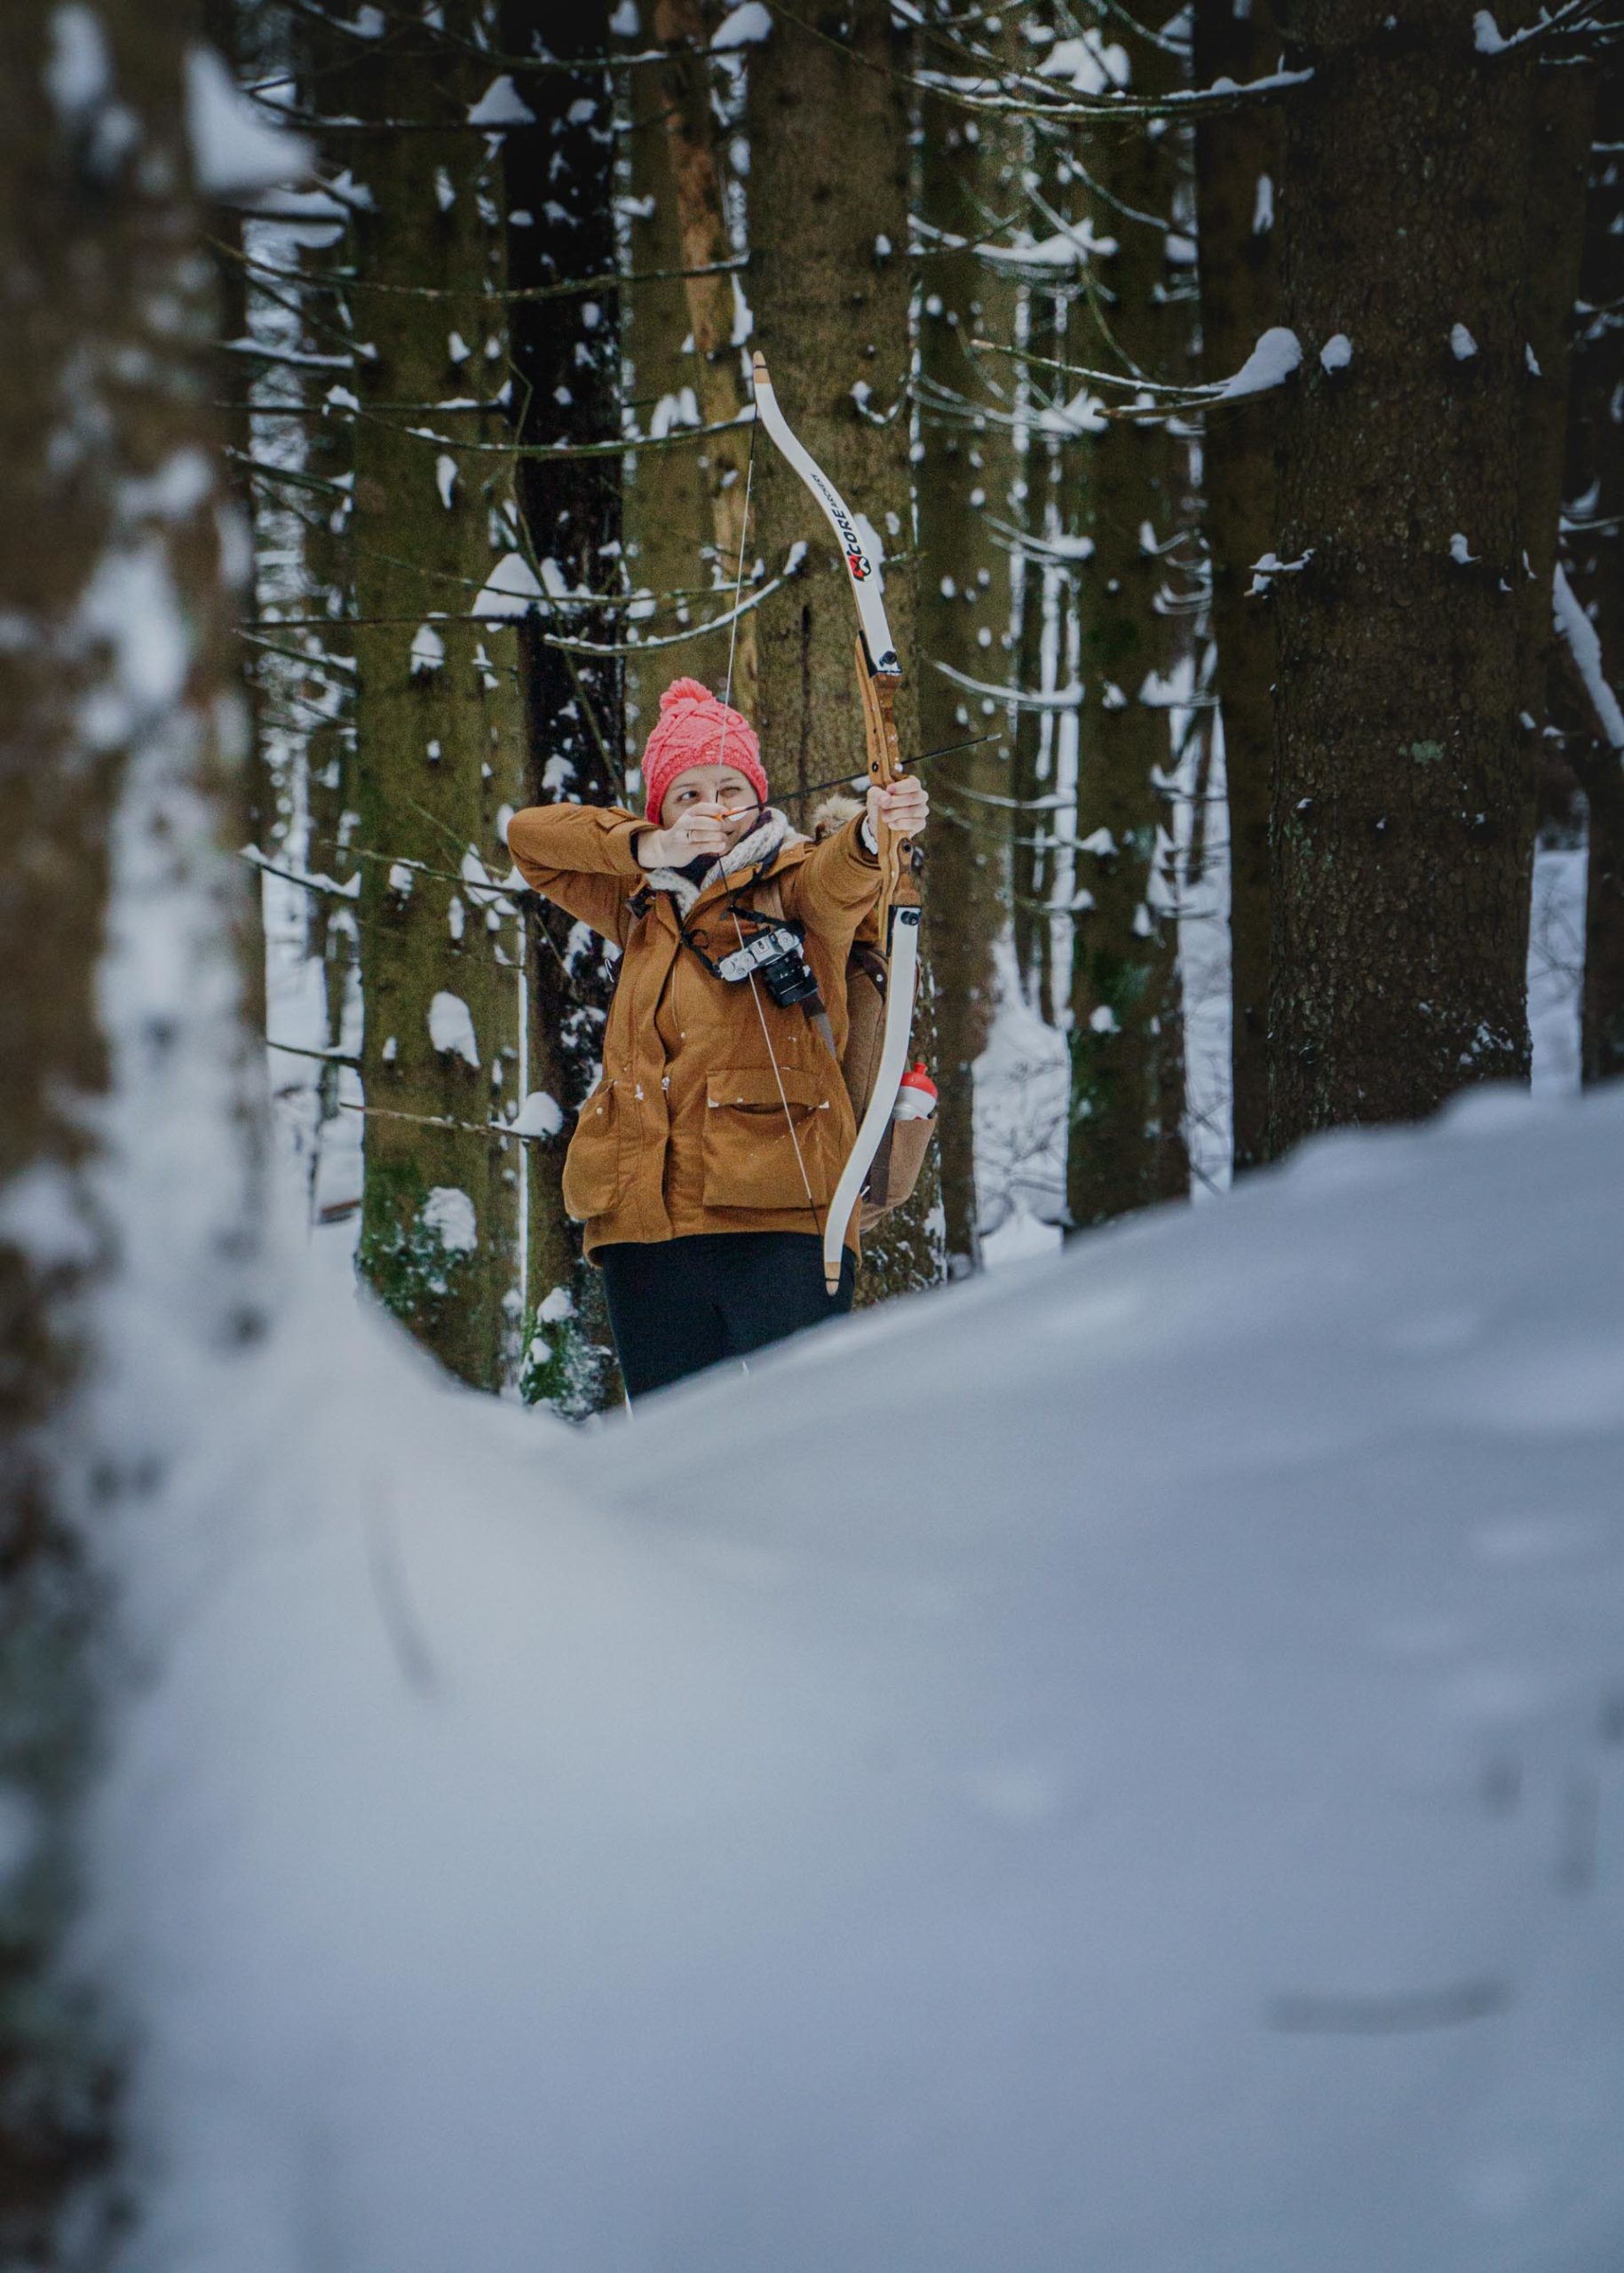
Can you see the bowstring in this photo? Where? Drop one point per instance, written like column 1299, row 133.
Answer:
column 732, row 904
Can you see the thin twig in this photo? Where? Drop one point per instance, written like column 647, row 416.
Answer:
column 445, row 1120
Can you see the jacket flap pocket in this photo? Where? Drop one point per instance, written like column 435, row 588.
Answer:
column 758, row 1156
column 593, row 1165
column 756, row 1090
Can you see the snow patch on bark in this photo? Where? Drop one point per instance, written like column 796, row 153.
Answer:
column 1583, row 644
column 451, row 1027
column 234, row 151
column 449, row 1214
column 79, row 68
column 511, row 589
column 540, row 1115
column 501, row 105
column 131, row 608
column 1270, row 363
column 746, row 25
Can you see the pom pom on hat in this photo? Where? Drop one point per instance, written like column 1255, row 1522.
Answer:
column 694, row 728
column 684, row 690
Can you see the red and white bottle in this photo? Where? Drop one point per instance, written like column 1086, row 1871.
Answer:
column 916, row 1096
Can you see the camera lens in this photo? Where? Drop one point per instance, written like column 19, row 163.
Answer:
column 789, row 979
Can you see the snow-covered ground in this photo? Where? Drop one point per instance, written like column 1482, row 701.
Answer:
column 1119, row 1766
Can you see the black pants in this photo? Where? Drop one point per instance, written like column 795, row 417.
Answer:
column 679, row 1305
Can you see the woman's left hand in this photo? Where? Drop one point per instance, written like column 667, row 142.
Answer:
column 904, row 808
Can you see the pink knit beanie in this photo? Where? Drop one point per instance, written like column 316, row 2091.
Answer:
column 693, row 728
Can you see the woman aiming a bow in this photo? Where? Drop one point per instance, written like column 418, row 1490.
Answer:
column 705, row 1160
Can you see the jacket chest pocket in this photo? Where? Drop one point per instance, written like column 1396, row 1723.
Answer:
column 592, row 1168
column 764, row 1147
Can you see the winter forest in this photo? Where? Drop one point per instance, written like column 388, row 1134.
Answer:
column 1111, row 1757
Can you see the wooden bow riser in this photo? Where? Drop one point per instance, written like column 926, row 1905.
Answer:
column 898, row 885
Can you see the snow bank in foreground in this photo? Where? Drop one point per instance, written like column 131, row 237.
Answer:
column 1119, row 1767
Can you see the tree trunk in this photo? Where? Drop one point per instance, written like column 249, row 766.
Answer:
column 965, row 612
column 303, row 569
column 1402, row 819
column 670, row 534
column 1125, row 1141
column 1237, row 170
column 705, row 243
column 120, row 725
column 567, row 354
column 243, row 46
column 440, row 735
column 829, row 221
column 1561, row 122
column 1594, row 547
column 1033, row 734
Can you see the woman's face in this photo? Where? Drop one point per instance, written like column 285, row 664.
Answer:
column 711, row 785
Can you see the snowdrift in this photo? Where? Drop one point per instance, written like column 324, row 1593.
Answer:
column 1118, row 1768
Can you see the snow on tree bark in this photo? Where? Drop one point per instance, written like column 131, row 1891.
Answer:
column 967, row 478
column 1238, row 175
column 696, row 179
column 296, row 478
column 1593, row 551
column 670, row 534
column 440, row 732
column 1560, row 126
column 130, row 1156
column 566, row 355
column 828, row 199
column 1033, row 770
column 1125, row 1144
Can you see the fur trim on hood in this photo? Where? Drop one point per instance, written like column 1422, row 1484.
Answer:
column 834, row 814
column 768, row 837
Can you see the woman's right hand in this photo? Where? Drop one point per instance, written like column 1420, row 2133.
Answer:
column 697, row 830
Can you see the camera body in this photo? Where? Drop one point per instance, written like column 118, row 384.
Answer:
column 776, row 957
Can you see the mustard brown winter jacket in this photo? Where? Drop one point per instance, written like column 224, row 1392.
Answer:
column 686, row 1131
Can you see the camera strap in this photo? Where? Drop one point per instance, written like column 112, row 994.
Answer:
column 766, row 938
column 770, row 900
column 774, row 934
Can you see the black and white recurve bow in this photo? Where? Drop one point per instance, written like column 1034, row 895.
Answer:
column 879, row 675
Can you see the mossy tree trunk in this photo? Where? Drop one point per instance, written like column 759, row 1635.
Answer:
column 1238, row 177
column 1125, row 1140
column 120, row 923
column 1403, row 817
column 828, row 195
column 439, row 734
column 566, row 355
column 319, row 740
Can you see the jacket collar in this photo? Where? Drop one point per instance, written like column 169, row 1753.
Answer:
column 771, row 836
